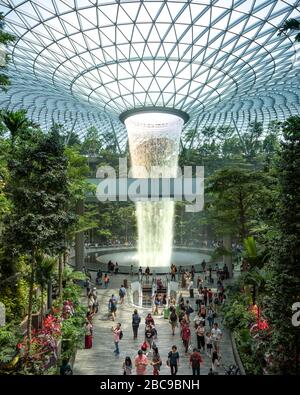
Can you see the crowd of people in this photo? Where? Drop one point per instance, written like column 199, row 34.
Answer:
column 185, row 319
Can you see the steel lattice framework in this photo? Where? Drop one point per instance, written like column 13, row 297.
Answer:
column 84, row 62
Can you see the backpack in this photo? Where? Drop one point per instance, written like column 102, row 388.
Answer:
column 136, row 319
column 121, row 335
column 121, row 293
column 173, row 316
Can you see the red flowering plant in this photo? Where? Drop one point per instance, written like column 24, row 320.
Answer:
column 51, row 325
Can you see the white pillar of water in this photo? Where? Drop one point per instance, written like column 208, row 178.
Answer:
column 154, row 146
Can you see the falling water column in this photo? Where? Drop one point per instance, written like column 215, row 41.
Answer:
column 154, row 147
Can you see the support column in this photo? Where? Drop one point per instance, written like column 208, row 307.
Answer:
column 79, row 240
column 227, row 259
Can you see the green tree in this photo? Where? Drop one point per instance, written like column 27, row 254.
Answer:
column 284, row 288
column 16, row 123
column 232, row 198
column 39, row 192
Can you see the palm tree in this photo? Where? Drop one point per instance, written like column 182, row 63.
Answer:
column 257, row 279
column 291, row 24
column 255, row 255
column 16, row 122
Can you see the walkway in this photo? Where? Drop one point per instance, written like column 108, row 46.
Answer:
column 100, row 359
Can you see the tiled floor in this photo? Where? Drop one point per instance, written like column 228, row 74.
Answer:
column 100, row 359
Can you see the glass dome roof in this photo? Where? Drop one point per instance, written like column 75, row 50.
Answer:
column 84, row 62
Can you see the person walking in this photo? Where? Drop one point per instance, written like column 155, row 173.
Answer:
column 112, row 305
column 96, row 303
column 117, row 337
column 149, row 335
column 195, row 361
column 173, row 360
column 136, row 320
column 203, row 311
column 149, row 320
column 88, row 286
column 122, row 293
column 215, row 363
column 186, row 337
column 141, row 363
column 210, row 316
column 127, row 367
column 216, row 334
column 156, row 361
column 188, row 310
column 200, row 332
column 173, row 319
column 106, row 280
column 209, row 345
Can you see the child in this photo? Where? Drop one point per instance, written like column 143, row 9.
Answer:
column 127, row 366
column 208, row 340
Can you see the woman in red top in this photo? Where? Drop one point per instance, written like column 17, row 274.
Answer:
column 186, row 336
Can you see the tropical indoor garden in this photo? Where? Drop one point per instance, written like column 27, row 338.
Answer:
column 51, row 145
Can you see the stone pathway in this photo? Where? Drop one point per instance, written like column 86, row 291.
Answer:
column 100, row 359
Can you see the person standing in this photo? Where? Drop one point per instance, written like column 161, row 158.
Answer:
column 136, row 319
column 131, row 270
column 122, row 293
column 173, row 360
column 203, row 264
column 203, row 311
column 193, row 271
column 88, row 342
column 173, row 319
column 141, row 363
column 147, row 273
column 106, row 280
column 140, row 272
column 117, row 336
column 156, row 361
column 195, row 361
column 127, row 367
column 200, row 332
column 112, row 304
column 116, row 268
column 173, row 272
